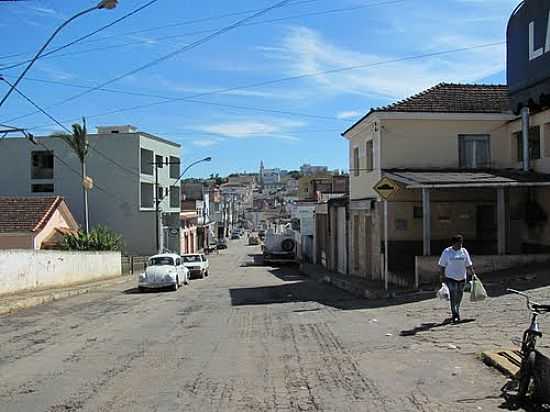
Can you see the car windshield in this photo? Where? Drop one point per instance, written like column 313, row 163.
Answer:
column 192, row 259
column 161, row 261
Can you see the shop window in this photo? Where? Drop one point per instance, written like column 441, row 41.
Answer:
column 42, row 165
column 474, row 151
column 147, row 191
column 147, row 162
column 534, row 144
column 356, row 161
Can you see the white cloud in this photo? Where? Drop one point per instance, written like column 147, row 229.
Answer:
column 348, row 115
column 305, row 51
column 248, row 129
column 206, row 142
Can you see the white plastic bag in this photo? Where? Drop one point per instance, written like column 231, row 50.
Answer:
column 444, row 293
column 478, row 290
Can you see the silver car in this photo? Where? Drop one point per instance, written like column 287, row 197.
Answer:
column 164, row 271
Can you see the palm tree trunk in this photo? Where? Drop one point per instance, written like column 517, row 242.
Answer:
column 85, row 196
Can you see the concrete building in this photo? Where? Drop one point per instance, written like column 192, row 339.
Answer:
column 309, row 170
column 196, row 196
column 454, row 152
column 120, row 162
column 34, row 222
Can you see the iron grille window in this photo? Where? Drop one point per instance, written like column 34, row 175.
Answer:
column 42, row 188
column 159, row 161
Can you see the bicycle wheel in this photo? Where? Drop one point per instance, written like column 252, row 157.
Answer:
column 526, row 373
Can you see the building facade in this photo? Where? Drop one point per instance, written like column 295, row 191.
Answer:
column 121, row 164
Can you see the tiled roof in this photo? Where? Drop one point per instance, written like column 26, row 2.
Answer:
column 452, row 98
column 26, row 214
column 455, row 98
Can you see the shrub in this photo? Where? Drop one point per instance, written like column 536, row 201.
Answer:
column 100, row 238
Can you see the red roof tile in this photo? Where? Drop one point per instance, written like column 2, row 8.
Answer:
column 26, row 214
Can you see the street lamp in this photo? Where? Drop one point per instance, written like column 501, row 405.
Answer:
column 103, row 4
column 157, row 202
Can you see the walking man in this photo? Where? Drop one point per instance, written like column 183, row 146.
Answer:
column 455, row 264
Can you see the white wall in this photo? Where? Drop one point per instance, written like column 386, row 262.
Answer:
column 32, row 269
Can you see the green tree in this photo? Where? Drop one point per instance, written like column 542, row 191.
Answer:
column 100, row 238
column 79, row 143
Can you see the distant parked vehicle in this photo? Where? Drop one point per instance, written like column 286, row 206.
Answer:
column 163, row 271
column 235, row 236
column 279, row 247
column 253, row 240
column 261, row 234
column 197, row 264
column 221, row 244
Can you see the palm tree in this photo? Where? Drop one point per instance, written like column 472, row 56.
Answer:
column 78, row 141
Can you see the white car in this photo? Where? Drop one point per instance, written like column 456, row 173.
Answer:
column 197, row 264
column 166, row 270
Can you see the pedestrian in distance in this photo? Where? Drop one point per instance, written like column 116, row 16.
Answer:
column 456, row 268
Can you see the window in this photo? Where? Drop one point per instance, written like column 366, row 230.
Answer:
column 534, row 144
column 474, row 151
column 178, row 261
column 356, row 161
column 160, row 193
column 159, row 161
column 147, row 195
column 42, row 165
column 147, row 162
column 174, row 167
column 370, row 155
column 161, row 261
column 174, row 196
column 42, row 188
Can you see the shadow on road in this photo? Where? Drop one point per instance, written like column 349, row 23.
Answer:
column 425, row 327
column 137, row 291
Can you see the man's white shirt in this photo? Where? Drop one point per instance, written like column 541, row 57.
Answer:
column 455, row 263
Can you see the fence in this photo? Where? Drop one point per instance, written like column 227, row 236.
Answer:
column 133, row 264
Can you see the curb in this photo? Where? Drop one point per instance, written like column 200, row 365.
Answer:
column 26, row 302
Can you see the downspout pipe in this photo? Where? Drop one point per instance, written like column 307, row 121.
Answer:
column 525, row 137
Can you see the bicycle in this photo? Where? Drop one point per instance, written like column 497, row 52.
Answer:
column 528, row 370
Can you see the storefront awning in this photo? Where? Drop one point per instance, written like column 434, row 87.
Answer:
column 448, row 178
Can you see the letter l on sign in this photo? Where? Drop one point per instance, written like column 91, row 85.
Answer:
column 534, row 54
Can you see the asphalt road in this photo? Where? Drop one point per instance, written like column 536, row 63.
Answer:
column 247, row 338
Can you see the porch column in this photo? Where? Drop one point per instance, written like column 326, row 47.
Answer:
column 426, row 222
column 501, row 221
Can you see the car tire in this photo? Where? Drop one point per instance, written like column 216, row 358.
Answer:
column 176, row 285
column 206, row 273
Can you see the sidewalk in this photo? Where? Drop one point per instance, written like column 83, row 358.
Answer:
column 12, row 302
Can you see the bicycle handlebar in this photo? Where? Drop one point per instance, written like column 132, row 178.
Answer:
column 530, row 305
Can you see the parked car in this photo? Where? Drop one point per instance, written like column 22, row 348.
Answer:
column 163, row 271
column 235, row 236
column 261, row 234
column 221, row 244
column 197, row 264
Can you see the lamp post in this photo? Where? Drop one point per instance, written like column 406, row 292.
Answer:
column 103, row 4
column 157, row 197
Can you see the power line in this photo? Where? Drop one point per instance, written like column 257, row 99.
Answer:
column 102, row 28
column 175, row 36
column 176, row 52
column 134, row 173
column 289, row 78
column 231, row 106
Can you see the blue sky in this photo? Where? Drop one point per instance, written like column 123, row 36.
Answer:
column 241, row 127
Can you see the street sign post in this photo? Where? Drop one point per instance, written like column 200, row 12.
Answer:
column 386, row 188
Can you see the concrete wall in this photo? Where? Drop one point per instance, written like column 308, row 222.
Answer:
column 427, row 269
column 32, row 269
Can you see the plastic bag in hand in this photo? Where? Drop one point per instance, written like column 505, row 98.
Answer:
column 444, row 293
column 478, row 290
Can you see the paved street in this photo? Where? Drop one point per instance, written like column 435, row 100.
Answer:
column 249, row 338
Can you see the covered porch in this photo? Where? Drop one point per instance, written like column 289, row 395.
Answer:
column 499, row 213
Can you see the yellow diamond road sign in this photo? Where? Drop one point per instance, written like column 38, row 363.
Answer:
column 386, row 188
